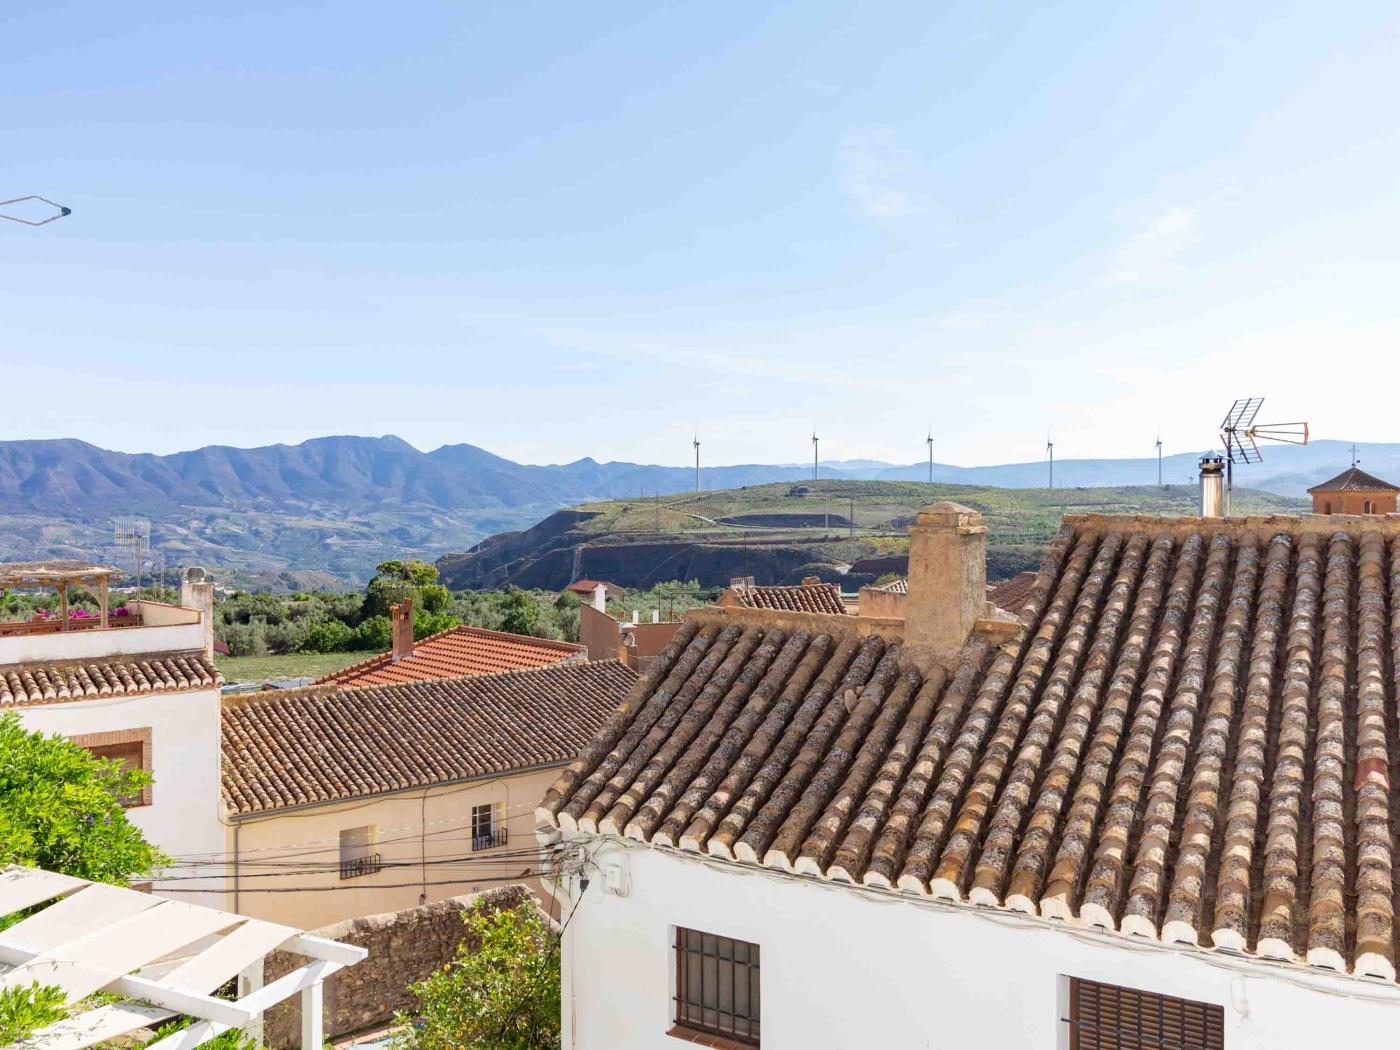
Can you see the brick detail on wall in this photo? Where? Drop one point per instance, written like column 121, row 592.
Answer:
column 404, row 948
column 116, row 737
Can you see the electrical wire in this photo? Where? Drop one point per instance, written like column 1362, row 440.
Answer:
column 378, row 886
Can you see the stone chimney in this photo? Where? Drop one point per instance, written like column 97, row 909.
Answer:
column 401, row 630
column 197, row 592
column 600, row 598
column 947, row 580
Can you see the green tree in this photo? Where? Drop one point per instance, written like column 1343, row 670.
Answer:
column 328, row 636
column 23, row 1011
column 521, row 615
column 61, row 809
column 500, row 993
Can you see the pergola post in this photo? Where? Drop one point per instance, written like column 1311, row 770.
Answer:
column 312, row 1030
column 250, row 981
column 102, row 599
column 63, row 605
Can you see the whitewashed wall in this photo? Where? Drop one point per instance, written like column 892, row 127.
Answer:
column 844, row 969
column 184, row 815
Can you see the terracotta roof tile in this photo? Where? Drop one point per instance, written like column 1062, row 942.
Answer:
column 809, row 597
column 1354, row 479
column 23, row 685
column 1190, row 739
column 327, row 743
column 1010, row 595
column 455, row 652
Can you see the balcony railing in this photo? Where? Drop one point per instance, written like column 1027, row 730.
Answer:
column 489, row 839
column 353, row 869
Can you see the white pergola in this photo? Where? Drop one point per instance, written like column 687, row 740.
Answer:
column 164, row 957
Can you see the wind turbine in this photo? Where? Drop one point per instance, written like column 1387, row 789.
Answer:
column 1159, row 460
column 815, row 439
column 1050, row 451
column 696, row 442
column 929, row 442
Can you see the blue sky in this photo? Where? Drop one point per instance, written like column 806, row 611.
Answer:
column 557, row 230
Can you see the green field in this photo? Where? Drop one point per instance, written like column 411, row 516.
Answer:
column 293, row 665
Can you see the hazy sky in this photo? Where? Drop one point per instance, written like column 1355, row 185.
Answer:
column 564, row 229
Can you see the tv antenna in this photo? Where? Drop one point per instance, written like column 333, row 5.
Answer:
column 133, row 534
column 59, row 210
column 929, row 442
column 1241, row 437
column 1159, row 459
column 696, row 442
column 1050, row 451
column 815, row 439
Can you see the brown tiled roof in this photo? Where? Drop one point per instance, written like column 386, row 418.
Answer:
column 455, row 652
column 1011, row 594
column 899, row 586
column 808, row 597
column 1190, row 737
column 327, row 743
column 588, row 587
column 1354, row 479
column 23, row 685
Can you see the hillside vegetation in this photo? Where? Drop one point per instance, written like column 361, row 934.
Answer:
column 842, row 530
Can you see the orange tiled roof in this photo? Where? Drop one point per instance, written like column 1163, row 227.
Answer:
column 1354, row 479
column 807, row 597
column 295, row 747
column 23, row 685
column 1189, row 738
column 455, row 652
column 1010, row 595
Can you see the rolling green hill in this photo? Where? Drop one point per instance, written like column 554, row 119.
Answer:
column 847, row 531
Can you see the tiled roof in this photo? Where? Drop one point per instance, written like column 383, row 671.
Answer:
column 327, row 743
column 588, row 587
column 899, row 586
column 23, row 685
column 455, row 652
column 1011, row 594
column 808, row 597
column 1190, row 737
column 1354, row 479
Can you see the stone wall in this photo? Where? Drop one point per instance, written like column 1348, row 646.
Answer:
column 404, row 947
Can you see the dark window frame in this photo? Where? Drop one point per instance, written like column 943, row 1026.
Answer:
column 702, row 962
column 1112, row 1017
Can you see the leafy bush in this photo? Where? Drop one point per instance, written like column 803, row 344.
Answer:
column 520, row 615
column 23, row 1011
column 500, row 993
column 327, row 636
column 61, row 809
column 374, row 634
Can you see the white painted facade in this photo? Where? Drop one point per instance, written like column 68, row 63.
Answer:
column 849, row 967
column 184, row 816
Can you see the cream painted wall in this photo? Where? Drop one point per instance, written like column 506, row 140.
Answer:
column 184, row 817
column 841, row 968
column 409, row 826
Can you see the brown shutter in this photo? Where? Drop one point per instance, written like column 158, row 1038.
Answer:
column 1106, row 1017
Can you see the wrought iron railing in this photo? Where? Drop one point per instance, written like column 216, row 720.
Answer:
column 353, row 869
column 489, row 839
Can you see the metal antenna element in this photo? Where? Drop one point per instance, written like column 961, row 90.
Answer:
column 1050, row 451
column 59, row 213
column 929, row 442
column 815, row 439
column 1354, row 460
column 1159, row 460
column 1241, row 436
column 135, row 535
column 696, row 442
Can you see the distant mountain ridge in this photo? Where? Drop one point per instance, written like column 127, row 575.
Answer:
column 339, row 504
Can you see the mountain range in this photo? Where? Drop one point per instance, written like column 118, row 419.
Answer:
column 333, row 507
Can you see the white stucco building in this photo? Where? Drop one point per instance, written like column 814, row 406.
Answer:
column 1155, row 811
column 140, row 688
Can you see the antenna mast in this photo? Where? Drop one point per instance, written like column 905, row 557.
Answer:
column 696, row 442
column 1159, row 460
column 815, row 439
column 1241, row 437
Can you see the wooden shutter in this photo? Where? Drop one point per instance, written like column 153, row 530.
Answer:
column 1107, row 1017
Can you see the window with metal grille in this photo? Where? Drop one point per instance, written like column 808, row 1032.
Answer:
column 1106, row 1017
column 488, row 826
column 357, row 856
column 717, row 985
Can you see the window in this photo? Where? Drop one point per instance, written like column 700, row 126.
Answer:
column 716, row 986
column 1106, row 1017
column 1368, row 507
column 130, row 747
column 357, row 856
column 488, row 826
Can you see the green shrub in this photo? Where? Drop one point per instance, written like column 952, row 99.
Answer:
column 23, row 1011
